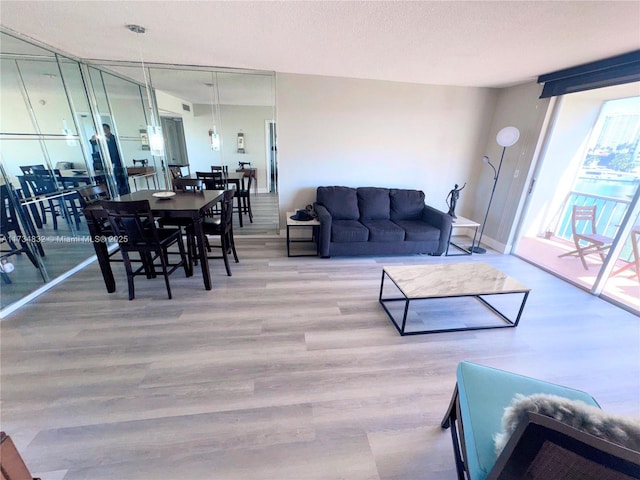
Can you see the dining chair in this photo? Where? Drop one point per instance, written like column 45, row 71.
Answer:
column 10, row 230
column 135, row 229
column 244, row 195
column 224, row 169
column 222, row 227
column 585, row 236
column 175, row 172
column 188, row 184
column 212, row 180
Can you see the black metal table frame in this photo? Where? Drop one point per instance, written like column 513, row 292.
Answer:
column 401, row 329
column 313, row 239
column 467, row 251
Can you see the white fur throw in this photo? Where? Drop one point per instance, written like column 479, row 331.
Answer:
column 620, row 430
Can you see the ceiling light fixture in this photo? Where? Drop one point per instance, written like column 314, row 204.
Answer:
column 154, row 131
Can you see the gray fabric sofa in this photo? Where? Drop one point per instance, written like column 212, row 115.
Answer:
column 378, row 221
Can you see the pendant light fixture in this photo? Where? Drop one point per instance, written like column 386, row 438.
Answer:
column 154, row 130
column 214, row 137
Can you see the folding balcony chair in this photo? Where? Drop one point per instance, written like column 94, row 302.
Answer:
column 585, row 236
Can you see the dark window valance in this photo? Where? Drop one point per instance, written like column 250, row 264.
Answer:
column 603, row 73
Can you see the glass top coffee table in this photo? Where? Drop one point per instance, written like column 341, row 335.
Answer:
column 447, row 281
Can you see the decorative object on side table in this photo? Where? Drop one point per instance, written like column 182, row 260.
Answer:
column 506, row 137
column 452, row 199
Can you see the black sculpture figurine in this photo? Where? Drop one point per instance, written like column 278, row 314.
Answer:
column 452, row 199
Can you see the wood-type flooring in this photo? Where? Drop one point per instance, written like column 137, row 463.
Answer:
column 288, row 370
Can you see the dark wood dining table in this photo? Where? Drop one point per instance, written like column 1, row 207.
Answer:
column 191, row 205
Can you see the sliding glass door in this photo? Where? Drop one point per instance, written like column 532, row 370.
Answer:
column 580, row 219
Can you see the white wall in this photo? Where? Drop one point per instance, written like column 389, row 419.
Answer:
column 249, row 120
column 520, row 107
column 352, row 132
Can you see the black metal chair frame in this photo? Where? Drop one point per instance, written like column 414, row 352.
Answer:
column 134, row 226
column 8, row 224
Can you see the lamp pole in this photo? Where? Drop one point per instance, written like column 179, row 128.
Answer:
column 506, row 137
column 496, row 174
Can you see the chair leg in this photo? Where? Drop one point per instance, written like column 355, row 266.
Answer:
column 163, row 261
column 127, row 266
column 225, row 256
column 232, row 243
column 239, row 210
column 186, row 262
column 54, row 215
column 249, row 208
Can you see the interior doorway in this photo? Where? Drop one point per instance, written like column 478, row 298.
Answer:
column 272, row 156
column 174, row 141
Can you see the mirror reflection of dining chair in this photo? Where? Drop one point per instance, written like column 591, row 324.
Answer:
column 244, row 195
column 188, row 184
column 585, row 236
column 222, row 227
column 10, row 231
column 134, row 225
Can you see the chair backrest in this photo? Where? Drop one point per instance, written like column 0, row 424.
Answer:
column 184, row 184
column 221, row 168
column 132, row 223
column 92, row 194
column 542, row 448
column 43, row 182
column 176, row 172
column 28, row 169
column 212, row 180
column 7, row 212
column 583, row 217
column 249, row 178
column 226, row 217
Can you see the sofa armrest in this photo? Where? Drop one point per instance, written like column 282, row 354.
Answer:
column 440, row 220
column 324, row 236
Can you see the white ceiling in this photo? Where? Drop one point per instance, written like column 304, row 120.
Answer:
column 465, row 43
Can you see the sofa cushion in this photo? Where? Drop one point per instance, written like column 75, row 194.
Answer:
column 347, row 231
column 384, row 231
column 374, row 203
column 419, row 231
column 342, row 202
column 406, row 204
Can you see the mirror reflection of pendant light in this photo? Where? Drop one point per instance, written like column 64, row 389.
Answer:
column 154, row 131
column 214, row 137
column 68, row 133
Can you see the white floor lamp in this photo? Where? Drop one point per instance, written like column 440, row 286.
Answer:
column 506, row 137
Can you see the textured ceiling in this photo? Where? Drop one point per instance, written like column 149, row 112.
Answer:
column 477, row 43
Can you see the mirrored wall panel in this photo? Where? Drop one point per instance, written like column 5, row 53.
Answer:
column 220, row 119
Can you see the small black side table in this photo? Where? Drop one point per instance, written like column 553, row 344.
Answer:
column 314, row 224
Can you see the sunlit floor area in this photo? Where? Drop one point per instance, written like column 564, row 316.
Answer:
column 623, row 287
column 265, row 216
